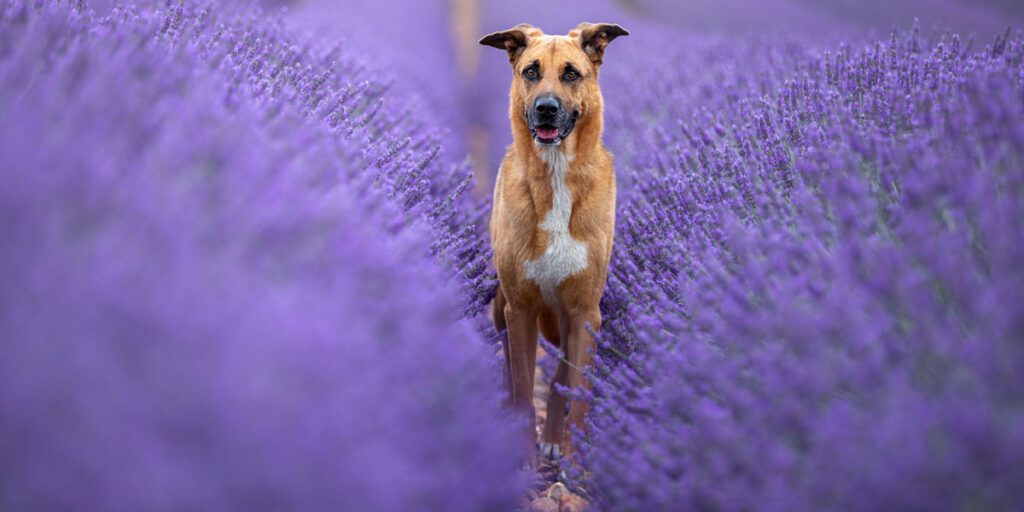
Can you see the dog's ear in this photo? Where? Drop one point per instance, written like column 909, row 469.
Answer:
column 594, row 38
column 513, row 40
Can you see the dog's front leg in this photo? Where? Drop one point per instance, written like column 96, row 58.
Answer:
column 554, row 428
column 580, row 353
column 522, row 340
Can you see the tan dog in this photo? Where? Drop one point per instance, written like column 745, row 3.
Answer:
column 554, row 214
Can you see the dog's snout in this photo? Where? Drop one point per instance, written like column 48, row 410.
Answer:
column 547, row 106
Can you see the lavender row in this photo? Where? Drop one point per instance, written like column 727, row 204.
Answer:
column 228, row 268
column 814, row 296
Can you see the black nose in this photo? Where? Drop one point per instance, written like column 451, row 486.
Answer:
column 547, row 106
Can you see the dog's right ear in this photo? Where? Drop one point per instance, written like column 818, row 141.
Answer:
column 513, row 40
column 594, row 38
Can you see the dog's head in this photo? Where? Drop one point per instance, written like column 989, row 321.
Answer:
column 554, row 84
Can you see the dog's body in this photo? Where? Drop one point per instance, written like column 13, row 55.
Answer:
column 553, row 219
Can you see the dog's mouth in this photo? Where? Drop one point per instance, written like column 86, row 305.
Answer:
column 547, row 134
column 551, row 130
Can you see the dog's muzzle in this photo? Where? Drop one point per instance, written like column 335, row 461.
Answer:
column 549, row 122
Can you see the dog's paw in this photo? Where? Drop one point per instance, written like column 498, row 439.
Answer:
column 550, row 451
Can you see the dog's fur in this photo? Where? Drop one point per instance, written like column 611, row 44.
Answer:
column 553, row 218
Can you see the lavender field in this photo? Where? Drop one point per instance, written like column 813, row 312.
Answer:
column 246, row 267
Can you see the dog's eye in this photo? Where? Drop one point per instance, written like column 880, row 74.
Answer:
column 530, row 73
column 570, row 76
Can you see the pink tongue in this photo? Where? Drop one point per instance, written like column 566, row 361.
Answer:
column 547, row 133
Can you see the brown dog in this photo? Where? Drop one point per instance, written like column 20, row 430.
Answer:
column 554, row 214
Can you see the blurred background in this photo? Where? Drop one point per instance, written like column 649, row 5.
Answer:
column 439, row 59
column 230, row 250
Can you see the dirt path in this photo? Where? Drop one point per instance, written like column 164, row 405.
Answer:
column 554, row 497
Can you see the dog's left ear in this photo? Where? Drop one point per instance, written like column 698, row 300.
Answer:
column 512, row 40
column 594, row 38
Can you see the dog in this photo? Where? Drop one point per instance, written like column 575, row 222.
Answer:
column 553, row 218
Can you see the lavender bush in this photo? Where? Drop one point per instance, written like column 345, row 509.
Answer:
column 234, row 271
column 823, row 275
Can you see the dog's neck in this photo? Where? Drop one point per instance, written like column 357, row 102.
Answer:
column 556, row 159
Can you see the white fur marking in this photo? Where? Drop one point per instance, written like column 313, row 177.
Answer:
column 564, row 255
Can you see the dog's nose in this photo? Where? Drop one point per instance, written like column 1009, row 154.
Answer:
column 547, row 106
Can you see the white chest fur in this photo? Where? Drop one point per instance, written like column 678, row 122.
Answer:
column 564, row 255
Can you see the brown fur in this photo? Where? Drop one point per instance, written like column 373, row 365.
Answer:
column 522, row 197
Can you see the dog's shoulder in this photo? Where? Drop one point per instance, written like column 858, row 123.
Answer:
column 511, row 194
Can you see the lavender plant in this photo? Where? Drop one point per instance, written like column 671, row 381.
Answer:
column 234, row 271
column 823, row 276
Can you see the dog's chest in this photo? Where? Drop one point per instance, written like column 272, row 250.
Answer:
column 564, row 255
